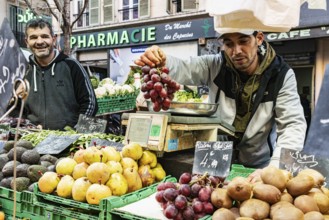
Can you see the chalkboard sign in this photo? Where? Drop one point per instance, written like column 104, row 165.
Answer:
column 213, row 158
column 54, row 144
column 295, row 161
column 12, row 64
column 102, row 142
column 89, row 125
column 317, row 138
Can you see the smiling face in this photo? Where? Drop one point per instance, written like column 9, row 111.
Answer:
column 242, row 50
column 41, row 43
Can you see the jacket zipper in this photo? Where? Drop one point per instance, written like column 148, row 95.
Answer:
column 44, row 95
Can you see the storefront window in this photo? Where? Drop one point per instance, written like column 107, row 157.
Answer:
column 17, row 27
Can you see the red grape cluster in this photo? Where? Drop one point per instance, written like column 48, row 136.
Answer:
column 158, row 86
column 189, row 198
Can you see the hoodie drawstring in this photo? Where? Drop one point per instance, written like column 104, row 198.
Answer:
column 52, row 69
column 35, row 78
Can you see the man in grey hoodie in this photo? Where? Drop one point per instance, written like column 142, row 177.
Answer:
column 256, row 91
column 60, row 86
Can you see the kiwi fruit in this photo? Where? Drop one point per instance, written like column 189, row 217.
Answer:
column 300, row 184
column 321, row 200
column 220, row 199
column 223, row 214
column 316, row 175
column 274, row 176
column 267, row 193
column 306, row 203
column 239, row 189
column 254, row 208
column 313, row 216
column 288, row 212
column 278, row 206
column 285, row 196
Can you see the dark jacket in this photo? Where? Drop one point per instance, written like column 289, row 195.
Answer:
column 59, row 93
column 276, row 105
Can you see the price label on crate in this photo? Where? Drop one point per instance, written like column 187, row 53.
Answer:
column 87, row 125
column 213, row 158
column 295, row 161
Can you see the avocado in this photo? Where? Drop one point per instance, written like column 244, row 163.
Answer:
column 19, row 152
column 48, row 157
column 21, row 170
column 8, row 169
column 9, row 145
column 3, row 151
column 31, row 186
column 26, row 144
column 22, row 183
column 34, row 172
column 1, row 176
column 5, row 182
column 30, row 157
column 46, row 163
column 3, row 160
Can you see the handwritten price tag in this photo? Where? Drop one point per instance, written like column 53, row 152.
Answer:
column 213, row 158
column 295, row 161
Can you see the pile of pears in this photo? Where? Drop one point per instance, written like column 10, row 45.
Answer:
column 98, row 172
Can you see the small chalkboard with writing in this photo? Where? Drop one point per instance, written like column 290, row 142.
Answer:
column 102, row 142
column 12, row 62
column 213, row 158
column 88, row 125
column 295, row 161
column 55, row 144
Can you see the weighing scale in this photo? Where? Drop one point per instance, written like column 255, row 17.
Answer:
column 166, row 132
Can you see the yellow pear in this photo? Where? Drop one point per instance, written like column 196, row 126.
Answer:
column 146, row 175
column 93, row 154
column 64, row 187
column 114, row 166
column 96, row 192
column 48, row 182
column 159, row 173
column 111, row 153
column 79, row 189
column 78, row 155
column 98, row 173
column 148, row 158
column 127, row 162
column 118, row 184
column 132, row 150
column 65, row 166
column 80, row 170
column 133, row 179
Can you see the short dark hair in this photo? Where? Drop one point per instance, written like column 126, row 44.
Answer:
column 39, row 23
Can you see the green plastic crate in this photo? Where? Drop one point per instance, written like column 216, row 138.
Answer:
column 239, row 170
column 25, row 196
column 115, row 104
column 117, row 202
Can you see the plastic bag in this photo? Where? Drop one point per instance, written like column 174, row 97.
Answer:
column 265, row 15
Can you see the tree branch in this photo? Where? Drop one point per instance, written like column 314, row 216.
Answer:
column 30, row 7
column 86, row 2
column 51, row 10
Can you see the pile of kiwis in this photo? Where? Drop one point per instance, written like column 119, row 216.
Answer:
column 276, row 195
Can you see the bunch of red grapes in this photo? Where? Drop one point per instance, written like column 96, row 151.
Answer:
column 158, row 86
column 188, row 199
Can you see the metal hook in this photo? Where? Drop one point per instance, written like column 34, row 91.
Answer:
column 21, row 92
